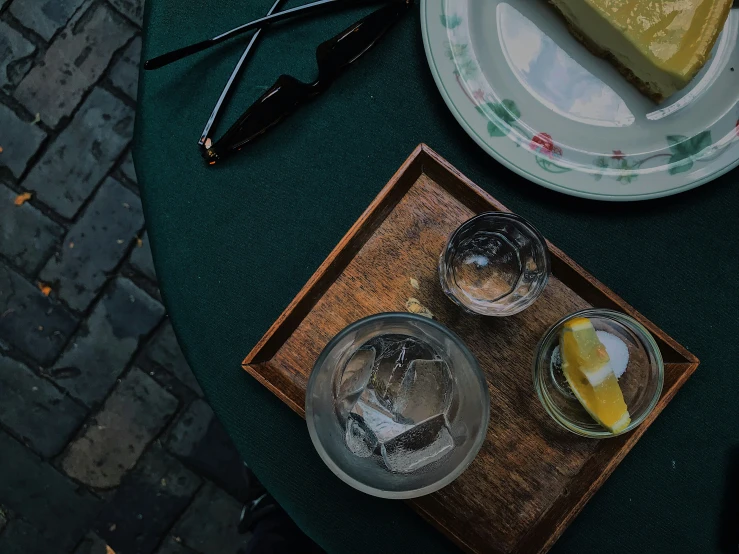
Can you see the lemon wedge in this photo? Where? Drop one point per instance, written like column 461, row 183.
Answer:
column 587, row 368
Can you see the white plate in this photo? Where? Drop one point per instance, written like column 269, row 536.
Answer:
column 537, row 101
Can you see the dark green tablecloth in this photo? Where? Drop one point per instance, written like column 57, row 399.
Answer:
column 233, row 244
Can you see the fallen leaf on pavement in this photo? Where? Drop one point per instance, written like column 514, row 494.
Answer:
column 44, row 288
column 22, row 198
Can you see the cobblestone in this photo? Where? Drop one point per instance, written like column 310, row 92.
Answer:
column 73, row 63
column 147, row 504
column 16, row 55
column 92, row 544
column 27, row 236
column 95, row 244
column 35, row 410
column 20, row 141
column 171, row 546
column 106, row 341
column 45, row 17
column 125, row 73
column 105, row 444
column 132, row 9
column 128, row 169
column 31, row 322
column 131, row 417
column 82, row 154
column 200, row 440
column 164, row 350
column 141, row 259
column 22, row 538
column 210, row 523
column 59, row 510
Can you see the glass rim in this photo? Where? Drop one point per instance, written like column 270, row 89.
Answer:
column 622, row 319
column 420, row 491
column 502, row 215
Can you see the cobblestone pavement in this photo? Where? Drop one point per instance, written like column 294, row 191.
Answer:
column 105, row 442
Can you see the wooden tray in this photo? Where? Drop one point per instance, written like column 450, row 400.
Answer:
column 531, row 478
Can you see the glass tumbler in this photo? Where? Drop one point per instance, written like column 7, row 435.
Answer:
column 495, row 264
column 397, row 405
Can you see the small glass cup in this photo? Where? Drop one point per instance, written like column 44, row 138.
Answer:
column 629, row 344
column 429, row 431
column 495, row 264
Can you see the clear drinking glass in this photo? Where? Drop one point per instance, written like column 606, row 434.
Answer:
column 495, row 264
column 634, row 354
column 397, row 406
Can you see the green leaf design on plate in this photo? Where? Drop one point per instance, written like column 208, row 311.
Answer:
column 495, row 130
column 506, row 112
column 626, row 177
column 467, row 68
column 600, row 163
column 675, row 140
column 451, row 22
column 685, row 149
column 455, row 49
column 550, row 166
column 680, row 164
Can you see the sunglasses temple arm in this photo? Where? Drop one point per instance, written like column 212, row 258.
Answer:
column 234, row 75
column 174, row 55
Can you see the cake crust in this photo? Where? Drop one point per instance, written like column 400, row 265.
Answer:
column 643, row 87
column 596, row 50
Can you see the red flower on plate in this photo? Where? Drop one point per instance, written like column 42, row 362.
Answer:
column 618, row 155
column 479, row 95
column 544, row 144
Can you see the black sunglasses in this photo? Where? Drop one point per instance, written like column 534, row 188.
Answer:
column 288, row 93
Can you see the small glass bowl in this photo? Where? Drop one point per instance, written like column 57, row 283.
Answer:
column 641, row 383
column 468, row 417
column 495, row 264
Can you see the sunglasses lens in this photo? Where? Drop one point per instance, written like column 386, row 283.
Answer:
column 287, row 93
column 271, row 108
column 339, row 52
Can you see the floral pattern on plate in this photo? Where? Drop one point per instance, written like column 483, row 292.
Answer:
column 501, row 118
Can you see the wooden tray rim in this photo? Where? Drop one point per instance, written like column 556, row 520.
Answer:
column 560, row 514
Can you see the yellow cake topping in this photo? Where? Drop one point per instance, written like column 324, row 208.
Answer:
column 659, row 45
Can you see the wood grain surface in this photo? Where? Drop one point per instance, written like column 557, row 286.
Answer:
column 531, row 477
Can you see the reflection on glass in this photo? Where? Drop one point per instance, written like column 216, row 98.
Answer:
column 553, row 77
